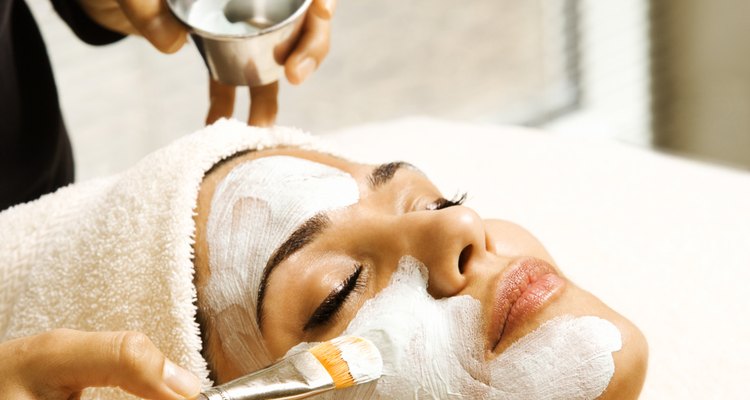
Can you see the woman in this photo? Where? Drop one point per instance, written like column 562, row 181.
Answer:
column 292, row 246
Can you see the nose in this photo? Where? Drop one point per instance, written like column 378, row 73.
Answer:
column 448, row 242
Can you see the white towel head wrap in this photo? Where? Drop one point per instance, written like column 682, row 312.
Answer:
column 116, row 253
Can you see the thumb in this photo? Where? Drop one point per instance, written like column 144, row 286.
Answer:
column 153, row 20
column 129, row 360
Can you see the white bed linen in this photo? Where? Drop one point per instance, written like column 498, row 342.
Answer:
column 663, row 240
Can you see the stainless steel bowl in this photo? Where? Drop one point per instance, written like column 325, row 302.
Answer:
column 245, row 42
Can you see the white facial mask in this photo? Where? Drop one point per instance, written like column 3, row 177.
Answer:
column 434, row 349
column 254, row 210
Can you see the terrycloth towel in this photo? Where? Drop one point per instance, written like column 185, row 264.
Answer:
column 116, row 253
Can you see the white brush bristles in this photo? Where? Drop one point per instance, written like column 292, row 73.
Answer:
column 350, row 360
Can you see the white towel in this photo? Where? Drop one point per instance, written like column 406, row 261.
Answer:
column 116, row 253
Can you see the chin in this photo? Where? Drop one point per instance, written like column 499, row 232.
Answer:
column 630, row 361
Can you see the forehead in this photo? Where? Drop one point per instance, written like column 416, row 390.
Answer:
column 357, row 170
column 367, row 176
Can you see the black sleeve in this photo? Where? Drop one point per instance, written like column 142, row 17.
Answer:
column 83, row 26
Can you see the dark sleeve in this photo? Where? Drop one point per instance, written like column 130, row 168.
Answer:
column 83, row 26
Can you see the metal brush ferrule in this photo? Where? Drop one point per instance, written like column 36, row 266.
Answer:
column 296, row 377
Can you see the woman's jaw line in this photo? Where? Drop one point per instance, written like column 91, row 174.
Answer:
column 523, row 289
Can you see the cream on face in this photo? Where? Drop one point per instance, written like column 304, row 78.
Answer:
column 433, row 349
column 254, row 210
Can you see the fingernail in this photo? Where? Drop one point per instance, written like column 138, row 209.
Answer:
column 180, row 380
column 305, row 68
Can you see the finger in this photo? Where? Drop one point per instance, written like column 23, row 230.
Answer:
column 221, row 98
column 108, row 14
column 76, row 360
column 264, row 104
column 311, row 50
column 153, row 20
column 323, row 8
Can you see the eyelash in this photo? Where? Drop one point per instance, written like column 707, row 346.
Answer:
column 442, row 202
column 336, row 299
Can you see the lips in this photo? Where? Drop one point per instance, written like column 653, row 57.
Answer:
column 528, row 285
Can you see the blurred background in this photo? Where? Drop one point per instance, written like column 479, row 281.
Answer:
column 668, row 74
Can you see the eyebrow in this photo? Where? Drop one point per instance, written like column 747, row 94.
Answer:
column 301, row 237
column 385, row 172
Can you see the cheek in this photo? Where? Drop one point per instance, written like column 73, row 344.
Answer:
column 510, row 240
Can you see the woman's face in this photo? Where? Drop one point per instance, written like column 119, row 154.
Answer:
column 347, row 257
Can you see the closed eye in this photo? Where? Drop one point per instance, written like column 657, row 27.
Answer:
column 442, row 202
column 332, row 304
